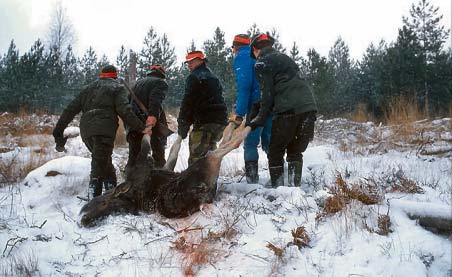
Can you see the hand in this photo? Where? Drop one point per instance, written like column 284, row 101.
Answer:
column 148, row 130
column 60, row 142
column 237, row 120
column 182, row 131
column 256, row 123
column 151, row 121
column 255, row 109
column 60, row 148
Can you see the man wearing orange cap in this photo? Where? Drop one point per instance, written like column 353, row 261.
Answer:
column 101, row 102
column 202, row 106
column 248, row 94
column 150, row 91
column 290, row 98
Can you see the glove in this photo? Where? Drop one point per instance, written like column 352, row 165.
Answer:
column 151, row 121
column 257, row 122
column 255, row 110
column 183, row 131
column 308, row 126
column 237, row 121
column 60, row 142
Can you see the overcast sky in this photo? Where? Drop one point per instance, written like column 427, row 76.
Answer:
column 108, row 24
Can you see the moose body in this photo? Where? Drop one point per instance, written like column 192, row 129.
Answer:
column 172, row 194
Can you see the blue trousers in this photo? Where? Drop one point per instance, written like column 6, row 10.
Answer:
column 262, row 135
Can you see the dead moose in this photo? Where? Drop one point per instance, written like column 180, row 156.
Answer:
column 170, row 193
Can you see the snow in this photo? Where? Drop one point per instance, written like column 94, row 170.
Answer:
column 44, row 210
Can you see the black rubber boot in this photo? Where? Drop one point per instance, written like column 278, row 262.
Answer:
column 294, row 173
column 252, row 172
column 110, row 182
column 277, row 176
column 95, row 188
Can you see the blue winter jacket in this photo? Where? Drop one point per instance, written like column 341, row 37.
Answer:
column 248, row 90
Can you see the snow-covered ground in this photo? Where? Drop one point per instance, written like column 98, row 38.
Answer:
column 248, row 230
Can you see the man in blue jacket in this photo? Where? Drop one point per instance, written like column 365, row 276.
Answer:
column 248, row 94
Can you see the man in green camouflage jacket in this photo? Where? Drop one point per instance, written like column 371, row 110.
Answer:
column 101, row 102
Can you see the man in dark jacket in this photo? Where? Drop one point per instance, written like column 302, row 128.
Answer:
column 203, row 107
column 150, row 91
column 248, row 93
column 100, row 103
column 290, row 98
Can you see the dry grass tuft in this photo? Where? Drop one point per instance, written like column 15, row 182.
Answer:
column 406, row 185
column 16, row 168
column 342, row 194
column 194, row 255
column 300, row 237
column 361, row 115
column 384, row 224
column 401, row 110
column 278, row 251
column 24, row 123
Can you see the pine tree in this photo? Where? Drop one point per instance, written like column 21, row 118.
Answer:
column 253, row 30
column 192, row 47
column 318, row 75
column 424, row 22
column 341, row 68
column 294, row 54
column 71, row 70
column 89, row 66
column 122, row 63
column 55, row 78
column 102, row 63
column 146, row 56
column 156, row 50
column 10, row 80
column 34, row 77
column 372, row 76
column 277, row 45
column 220, row 62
